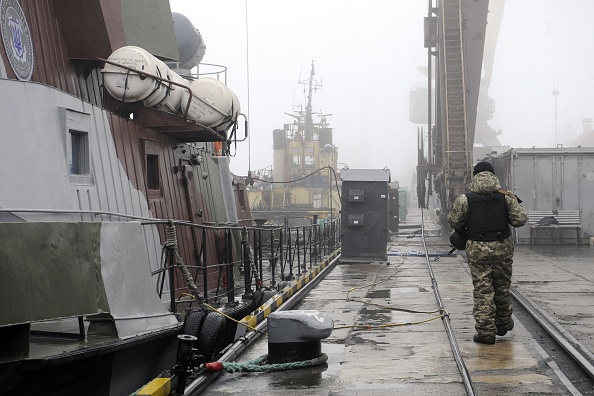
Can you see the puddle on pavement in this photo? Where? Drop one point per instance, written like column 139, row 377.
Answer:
column 381, row 293
column 399, row 290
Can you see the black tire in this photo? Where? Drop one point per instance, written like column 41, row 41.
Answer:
column 281, row 285
column 267, row 295
column 261, row 296
column 212, row 333
column 237, row 313
column 192, row 322
column 257, row 298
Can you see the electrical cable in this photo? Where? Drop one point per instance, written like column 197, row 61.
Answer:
column 305, row 177
column 441, row 312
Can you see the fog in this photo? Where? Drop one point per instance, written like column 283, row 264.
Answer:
column 366, row 56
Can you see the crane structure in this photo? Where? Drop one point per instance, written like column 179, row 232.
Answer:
column 455, row 32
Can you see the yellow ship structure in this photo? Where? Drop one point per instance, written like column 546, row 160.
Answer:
column 303, row 180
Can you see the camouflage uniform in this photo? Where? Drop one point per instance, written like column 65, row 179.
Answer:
column 490, row 262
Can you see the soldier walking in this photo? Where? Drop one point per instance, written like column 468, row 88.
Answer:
column 487, row 212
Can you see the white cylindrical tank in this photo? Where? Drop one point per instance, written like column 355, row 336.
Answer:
column 234, row 112
column 126, row 85
column 212, row 103
column 161, row 87
column 174, row 94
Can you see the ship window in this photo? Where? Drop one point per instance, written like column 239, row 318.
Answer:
column 78, row 147
column 152, row 172
column 77, row 138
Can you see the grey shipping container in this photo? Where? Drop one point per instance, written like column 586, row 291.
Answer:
column 550, row 179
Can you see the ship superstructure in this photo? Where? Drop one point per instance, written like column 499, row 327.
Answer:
column 302, row 180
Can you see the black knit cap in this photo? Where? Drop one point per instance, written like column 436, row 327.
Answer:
column 483, row 166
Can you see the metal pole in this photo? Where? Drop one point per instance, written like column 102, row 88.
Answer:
column 172, row 279
column 246, row 265
column 230, row 273
column 204, row 266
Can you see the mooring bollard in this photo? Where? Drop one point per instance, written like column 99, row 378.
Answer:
column 294, row 336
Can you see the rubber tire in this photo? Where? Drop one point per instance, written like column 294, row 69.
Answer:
column 267, row 295
column 192, row 322
column 237, row 313
column 260, row 297
column 212, row 334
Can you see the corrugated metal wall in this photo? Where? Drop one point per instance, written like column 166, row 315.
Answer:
column 52, row 65
column 550, row 179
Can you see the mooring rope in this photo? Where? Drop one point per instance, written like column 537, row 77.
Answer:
column 171, row 244
column 245, row 240
column 261, row 365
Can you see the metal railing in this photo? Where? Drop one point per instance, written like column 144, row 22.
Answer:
column 243, row 260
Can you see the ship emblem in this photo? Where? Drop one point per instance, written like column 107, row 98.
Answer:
column 17, row 38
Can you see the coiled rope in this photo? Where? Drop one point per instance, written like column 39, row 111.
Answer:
column 171, row 245
column 250, row 257
column 261, row 365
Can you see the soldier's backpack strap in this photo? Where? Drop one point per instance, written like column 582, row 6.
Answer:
column 510, row 194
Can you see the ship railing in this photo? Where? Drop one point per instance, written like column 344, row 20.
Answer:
column 246, row 259
column 224, row 261
column 307, row 245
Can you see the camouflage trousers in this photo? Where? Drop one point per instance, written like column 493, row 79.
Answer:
column 491, row 269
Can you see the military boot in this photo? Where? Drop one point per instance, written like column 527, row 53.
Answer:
column 484, row 339
column 502, row 329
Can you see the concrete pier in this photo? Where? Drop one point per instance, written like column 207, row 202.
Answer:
column 411, row 354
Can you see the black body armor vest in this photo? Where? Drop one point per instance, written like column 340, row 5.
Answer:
column 487, row 217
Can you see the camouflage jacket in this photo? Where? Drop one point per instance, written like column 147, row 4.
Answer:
column 482, row 183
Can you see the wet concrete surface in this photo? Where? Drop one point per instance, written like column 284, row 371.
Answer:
column 413, row 355
column 560, row 280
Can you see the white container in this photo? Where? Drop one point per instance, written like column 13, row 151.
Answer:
column 212, row 103
column 129, row 86
column 234, row 112
column 161, row 89
column 174, row 94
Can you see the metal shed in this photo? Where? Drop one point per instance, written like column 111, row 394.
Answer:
column 364, row 214
column 551, row 179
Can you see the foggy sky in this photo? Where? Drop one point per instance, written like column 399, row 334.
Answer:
column 366, row 54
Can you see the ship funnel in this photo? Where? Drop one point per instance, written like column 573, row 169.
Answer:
column 190, row 46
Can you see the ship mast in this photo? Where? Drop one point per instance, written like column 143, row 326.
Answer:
column 312, row 87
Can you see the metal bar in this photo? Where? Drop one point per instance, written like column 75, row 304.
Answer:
column 246, row 267
column 282, row 254
column 259, row 241
column 171, row 254
column 272, row 260
column 230, row 273
column 297, row 248
column 204, row 266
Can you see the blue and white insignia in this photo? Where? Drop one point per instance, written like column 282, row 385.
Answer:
column 17, row 38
